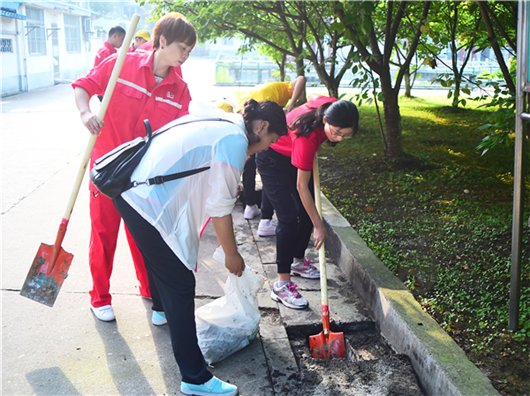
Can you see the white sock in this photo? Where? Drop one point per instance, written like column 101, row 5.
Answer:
column 298, row 261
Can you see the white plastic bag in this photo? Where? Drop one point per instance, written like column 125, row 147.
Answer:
column 231, row 322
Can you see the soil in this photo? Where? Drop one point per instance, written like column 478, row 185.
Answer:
column 505, row 361
column 370, row 367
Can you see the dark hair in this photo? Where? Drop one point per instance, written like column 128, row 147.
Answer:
column 174, row 27
column 116, row 29
column 266, row 110
column 342, row 114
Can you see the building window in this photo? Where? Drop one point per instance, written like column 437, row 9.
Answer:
column 72, row 33
column 35, row 31
column 7, row 45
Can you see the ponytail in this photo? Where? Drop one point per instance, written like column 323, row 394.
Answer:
column 342, row 114
column 265, row 110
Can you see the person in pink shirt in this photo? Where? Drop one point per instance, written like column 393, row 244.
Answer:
column 286, row 173
column 148, row 88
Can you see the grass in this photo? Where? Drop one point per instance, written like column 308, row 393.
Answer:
column 441, row 220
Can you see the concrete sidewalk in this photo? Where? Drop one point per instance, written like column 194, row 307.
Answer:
column 65, row 349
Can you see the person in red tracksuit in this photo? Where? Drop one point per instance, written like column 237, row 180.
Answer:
column 148, row 46
column 148, row 88
column 114, row 40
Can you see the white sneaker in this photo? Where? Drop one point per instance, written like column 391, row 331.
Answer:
column 251, row 212
column 266, row 228
column 289, row 296
column 104, row 313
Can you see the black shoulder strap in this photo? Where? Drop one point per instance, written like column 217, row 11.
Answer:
column 174, row 176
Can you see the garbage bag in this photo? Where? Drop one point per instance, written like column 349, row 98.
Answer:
column 231, row 322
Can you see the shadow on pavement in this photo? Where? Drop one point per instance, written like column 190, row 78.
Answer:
column 51, row 381
column 121, row 362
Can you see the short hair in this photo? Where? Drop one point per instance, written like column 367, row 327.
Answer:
column 174, row 27
column 116, row 29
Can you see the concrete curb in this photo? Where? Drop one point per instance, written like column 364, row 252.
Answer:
column 441, row 366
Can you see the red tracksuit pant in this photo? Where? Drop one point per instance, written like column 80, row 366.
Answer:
column 105, row 222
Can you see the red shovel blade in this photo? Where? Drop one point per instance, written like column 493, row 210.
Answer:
column 327, row 346
column 44, row 283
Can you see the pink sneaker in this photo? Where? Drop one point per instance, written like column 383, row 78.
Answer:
column 289, row 296
column 305, row 270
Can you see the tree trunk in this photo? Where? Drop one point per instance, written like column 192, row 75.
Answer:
column 332, row 84
column 456, row 94
column 408, row 87
column 392, row 115
column 394, row 142
column 483, row 6
column 282, row 67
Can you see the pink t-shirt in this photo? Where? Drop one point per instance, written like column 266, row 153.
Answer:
column 302, row 149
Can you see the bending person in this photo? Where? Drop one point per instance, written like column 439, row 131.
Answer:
column 166, row 219
column 148, row 88
column 286, row 173
column 281, row 93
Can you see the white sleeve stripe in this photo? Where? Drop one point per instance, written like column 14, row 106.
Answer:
column 133, row 85
column 177, row 105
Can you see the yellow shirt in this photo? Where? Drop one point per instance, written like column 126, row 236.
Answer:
column 279, row 92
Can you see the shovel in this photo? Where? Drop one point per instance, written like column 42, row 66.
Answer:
column 327, row 344
column 51, row 263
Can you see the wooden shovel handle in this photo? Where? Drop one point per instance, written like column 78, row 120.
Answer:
column 101, row 114
column 322, row 250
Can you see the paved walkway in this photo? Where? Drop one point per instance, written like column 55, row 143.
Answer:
column 65, row 349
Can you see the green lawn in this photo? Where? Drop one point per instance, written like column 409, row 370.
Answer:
column 441, row 219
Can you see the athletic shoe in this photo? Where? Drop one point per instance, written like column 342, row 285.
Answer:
column 266, row 228
column 289, row 296
column 251, row 212
column 104, row 313
column 214, row 387
column 305, row 269
column 158, row 318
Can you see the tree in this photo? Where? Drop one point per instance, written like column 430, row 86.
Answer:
column 456, row 24
column 500, row 22
column 368, row 24
column 304, row 27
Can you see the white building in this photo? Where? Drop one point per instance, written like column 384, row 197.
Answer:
column 43, row 42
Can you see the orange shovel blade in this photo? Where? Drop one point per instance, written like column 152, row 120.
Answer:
column 44, row 283
column 327, row 346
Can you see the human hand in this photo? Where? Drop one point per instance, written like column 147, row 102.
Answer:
column 235, row 264
column 92, row 122
column 320, row 235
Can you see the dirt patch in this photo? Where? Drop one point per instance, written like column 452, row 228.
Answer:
column 371, row 367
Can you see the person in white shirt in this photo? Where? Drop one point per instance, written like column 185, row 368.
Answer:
column 166, row 220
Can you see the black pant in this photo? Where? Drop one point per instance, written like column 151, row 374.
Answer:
column 249, row 187
column 294, row 229
column 172, row 287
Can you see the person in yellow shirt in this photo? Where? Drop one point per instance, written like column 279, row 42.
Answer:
column 279, row 92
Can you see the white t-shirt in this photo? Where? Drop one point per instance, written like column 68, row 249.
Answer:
column 180, row 209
